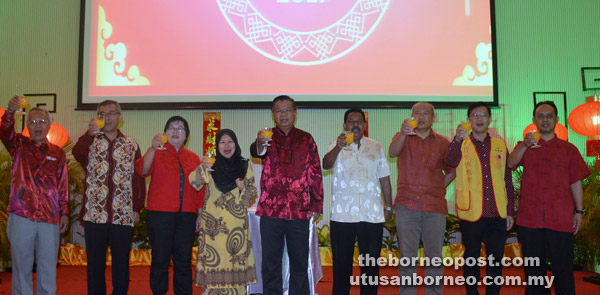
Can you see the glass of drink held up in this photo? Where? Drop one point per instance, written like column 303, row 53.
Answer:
column 100, row 123
column 23, row 104
column 268, row 133
column 466, row 127
column 413, row 124
column 349, row 140
column 536, row 138
column 163, row 140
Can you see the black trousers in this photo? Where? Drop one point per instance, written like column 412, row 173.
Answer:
column 171, row 236
column 273, row 231
column 97, row 237
column 558, row 246
column 343, row 235
column 491, row 231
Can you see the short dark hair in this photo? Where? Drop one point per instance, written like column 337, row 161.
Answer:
column 550, row 103
column 354, row 110
column 476, row 105
column 109, row 102
column 185, row 126
column 282, row 98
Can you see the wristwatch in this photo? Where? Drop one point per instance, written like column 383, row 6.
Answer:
column 580, row 212
column 389, row 209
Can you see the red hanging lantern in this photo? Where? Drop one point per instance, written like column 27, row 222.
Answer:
column 561, row 131
column 57, row 134
column 585, row 120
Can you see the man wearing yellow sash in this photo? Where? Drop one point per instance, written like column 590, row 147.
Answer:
column 484, row 195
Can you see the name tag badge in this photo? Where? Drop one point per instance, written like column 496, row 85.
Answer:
column 50, row 158
column 358, row 173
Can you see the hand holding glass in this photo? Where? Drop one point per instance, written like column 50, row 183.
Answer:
column 268, row 134
column 23, row 104
column 163, row 140
column 466, row 127
column 536, row 138
column 413, row 124
column 100, row 123
column 349, row 140
column 209, row 160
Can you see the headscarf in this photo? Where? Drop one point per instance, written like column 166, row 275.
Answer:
column 226, row 171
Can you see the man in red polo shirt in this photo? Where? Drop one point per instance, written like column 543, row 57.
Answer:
column 551, row 206
column 420, row 204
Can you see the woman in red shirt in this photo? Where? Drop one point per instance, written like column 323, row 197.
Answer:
column 172, row 205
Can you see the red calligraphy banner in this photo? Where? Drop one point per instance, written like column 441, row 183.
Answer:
column 212, row 125
column 367, row 123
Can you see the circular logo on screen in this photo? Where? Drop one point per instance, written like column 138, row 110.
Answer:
column 303, row 32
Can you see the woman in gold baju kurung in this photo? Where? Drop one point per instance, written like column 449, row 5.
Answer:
column 225, row 258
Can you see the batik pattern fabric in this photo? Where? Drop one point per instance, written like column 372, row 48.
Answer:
column 98, row 167
column 225, row 257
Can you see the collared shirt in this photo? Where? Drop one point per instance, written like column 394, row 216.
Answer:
column 548, row 172
column 421, row 167
column 484, row 149
column 291, row 182
column 356, row 187
column 40, row 184
column 110, row 173
column 164, row 189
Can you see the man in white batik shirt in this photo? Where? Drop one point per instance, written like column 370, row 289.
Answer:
column 360, row 177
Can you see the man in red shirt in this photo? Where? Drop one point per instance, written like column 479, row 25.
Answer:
column 551, row 206
column 420, row 202
column 114, row 196
column 38, row 205
column 291, row 193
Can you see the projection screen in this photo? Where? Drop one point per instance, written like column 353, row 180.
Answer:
column 323, row 53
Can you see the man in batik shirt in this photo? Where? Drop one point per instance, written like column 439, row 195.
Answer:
column 361, row 175
column 292, row 193
column 114, row 196
column 38, row 204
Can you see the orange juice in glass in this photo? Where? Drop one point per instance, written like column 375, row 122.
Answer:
column 466, row 127
column 349, row 139
column 268, row 133
column 536, row 138
column 163, row 140
column 413, row 124
column 210, row 159
column 23, row 104
column 100, row 123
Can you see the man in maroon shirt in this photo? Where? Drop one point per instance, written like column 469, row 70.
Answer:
column 484, row 195
column 114, row 196
column 551, row 206
column 420, row 202
column 291, row 193
column 38, row 204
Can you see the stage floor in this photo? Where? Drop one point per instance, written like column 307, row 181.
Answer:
column 71, row 280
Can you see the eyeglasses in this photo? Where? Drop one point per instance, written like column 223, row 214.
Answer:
column 421, row 113
column 111, row 113
column 479, row 115
column 38, row 122
column 176, row 129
